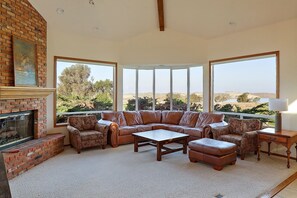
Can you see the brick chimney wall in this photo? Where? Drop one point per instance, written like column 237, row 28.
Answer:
column 19, row 18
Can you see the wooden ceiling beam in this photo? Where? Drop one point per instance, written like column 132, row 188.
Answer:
column 161, row 14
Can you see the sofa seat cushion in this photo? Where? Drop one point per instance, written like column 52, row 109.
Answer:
column 133, row 118
column 189, row 119
column 234, row 138
column 197, row 132
column 142, row 128
column 156, row 126
column 171, row 117
column 117, row 117
column 151, row 116
column 176, row 128
column 90, row 135
column 208, row 118
column 127, row 130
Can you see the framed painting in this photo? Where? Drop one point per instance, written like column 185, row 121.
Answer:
column 25, row 64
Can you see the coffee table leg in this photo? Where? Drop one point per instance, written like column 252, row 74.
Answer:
column 185, row 146
column 135, row 144
column 159, row 146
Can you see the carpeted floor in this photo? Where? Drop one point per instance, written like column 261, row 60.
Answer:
column 119, row 172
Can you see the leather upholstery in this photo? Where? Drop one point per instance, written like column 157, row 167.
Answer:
column 189, row 119
column 208, row 118
column 212, row 147
column 171, row 117
column 85, row 131
column 117, row 117
column 196, row 132
column 133, row 118
column 151, row 116
column 123, row 134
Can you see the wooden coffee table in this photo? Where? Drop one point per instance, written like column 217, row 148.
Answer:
column 159, row 138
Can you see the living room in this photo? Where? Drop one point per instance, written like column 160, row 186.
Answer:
column 127, row 34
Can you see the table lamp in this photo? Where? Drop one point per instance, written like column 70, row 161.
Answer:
column 277, row 105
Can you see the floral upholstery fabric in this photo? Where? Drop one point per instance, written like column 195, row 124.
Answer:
column 84, row 131
column 242, row 132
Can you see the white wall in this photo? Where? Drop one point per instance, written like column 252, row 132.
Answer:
column 76, row 46
column 281, row 36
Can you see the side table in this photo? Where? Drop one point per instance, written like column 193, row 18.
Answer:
column 285, row 137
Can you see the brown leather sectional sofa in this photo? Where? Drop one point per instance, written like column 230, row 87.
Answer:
column 123, row 123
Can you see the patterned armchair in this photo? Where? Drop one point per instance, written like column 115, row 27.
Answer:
column 242, row 132
column 84, row 132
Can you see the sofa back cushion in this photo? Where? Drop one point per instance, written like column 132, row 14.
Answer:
column 189, row 119
column 133, row 118
column 208, row 118
column 151, row 116
column 171, row 117
column 117, row 117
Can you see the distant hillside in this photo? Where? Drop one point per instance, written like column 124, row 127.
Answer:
column 264, row 95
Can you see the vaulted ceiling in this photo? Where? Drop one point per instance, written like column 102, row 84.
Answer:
column 122, row 19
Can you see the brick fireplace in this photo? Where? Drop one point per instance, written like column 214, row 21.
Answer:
column 20, row 19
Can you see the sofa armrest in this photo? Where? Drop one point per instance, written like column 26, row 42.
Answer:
column 73, row 130
column 220, row 130
column 113, row 129
column 207, row 129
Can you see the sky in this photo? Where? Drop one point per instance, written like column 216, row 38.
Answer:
column 257, row 75
column 253, row 76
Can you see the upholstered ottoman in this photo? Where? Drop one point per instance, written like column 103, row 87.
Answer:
column 215, row 152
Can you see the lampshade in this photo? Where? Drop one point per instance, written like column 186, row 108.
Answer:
column 277, row 104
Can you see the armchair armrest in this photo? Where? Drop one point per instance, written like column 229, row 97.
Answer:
column 249, row 141
column 207, row 129
column 220, row 130
column 103, row 128
column 73, row 130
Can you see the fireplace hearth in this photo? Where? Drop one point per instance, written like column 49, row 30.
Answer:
column 16, row 128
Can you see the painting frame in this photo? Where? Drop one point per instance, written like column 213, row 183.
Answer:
column 24, row 62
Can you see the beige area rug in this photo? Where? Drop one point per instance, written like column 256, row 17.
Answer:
column 119, row 172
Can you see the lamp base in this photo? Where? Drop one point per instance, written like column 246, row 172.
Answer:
column 278, row 122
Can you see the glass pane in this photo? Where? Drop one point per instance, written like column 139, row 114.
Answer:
column 196, row 89
column 245, row 86
column 162, row 89
column 83, row 87
column 179, row 83
column 129, row 89
column 145, row 89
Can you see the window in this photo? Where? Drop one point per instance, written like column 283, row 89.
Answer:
column 165, row 88
column 243, row 85
column 83, row 87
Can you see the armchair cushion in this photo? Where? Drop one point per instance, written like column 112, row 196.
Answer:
column 234, row 138
column 76, row 122
column 90, row 135
column 89, row 122
column 218, row 131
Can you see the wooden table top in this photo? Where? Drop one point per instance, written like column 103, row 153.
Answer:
column 160, row 135
column 283, row 133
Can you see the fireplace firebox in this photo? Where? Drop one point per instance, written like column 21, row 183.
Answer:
column 16, row 128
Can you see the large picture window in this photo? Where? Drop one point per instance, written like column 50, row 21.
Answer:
column 242, row 85
column 163, row 88
column 83, row 87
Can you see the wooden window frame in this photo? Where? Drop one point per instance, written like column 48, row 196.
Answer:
column 115, row 75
